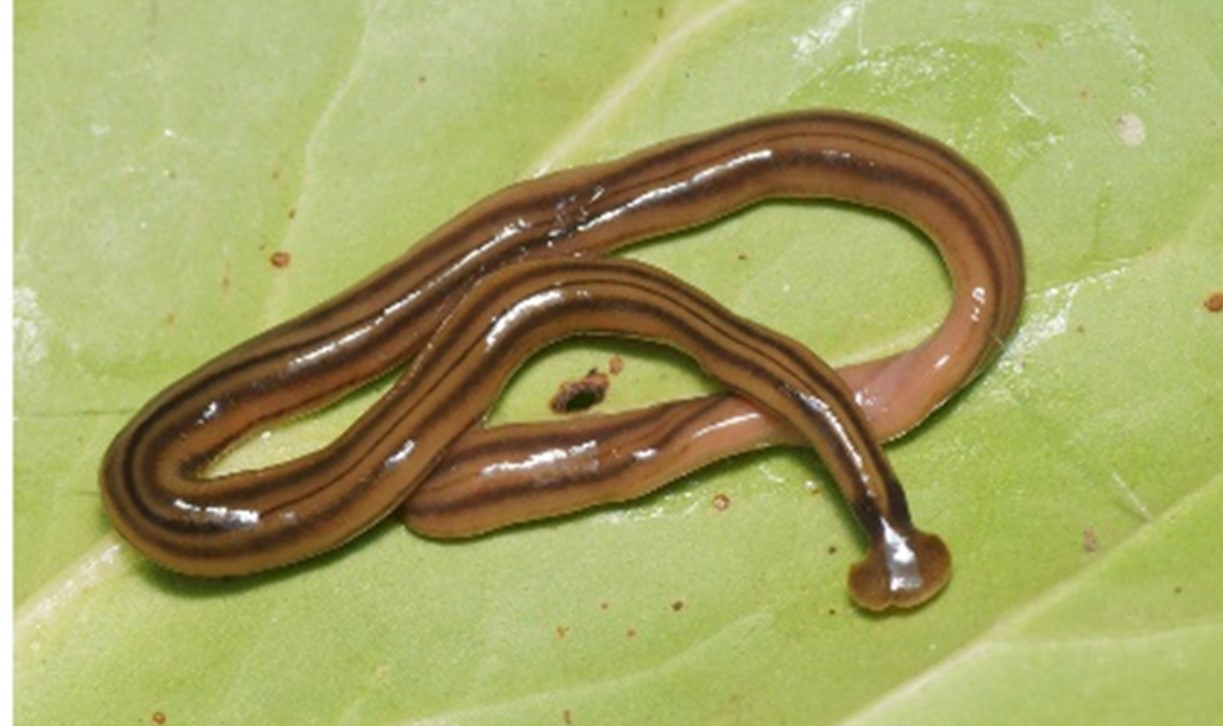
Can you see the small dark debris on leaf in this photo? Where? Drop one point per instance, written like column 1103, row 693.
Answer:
column 582, row 394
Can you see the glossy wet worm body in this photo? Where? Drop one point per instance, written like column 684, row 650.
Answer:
column 154, row 477
column 269, row 517
column 494, row 478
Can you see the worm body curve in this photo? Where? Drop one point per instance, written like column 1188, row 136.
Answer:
column 154, row 476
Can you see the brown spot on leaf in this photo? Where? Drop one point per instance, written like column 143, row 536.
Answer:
column 615, row 365
column 280, row 259
column 159, row 717
column 721, row 502
column 1214, row 302
column 1091, row 543
column 561, row 632
column 677, row 605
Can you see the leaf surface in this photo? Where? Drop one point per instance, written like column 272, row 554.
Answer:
column 166, row 151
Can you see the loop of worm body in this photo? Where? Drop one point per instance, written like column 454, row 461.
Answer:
column 475, row 274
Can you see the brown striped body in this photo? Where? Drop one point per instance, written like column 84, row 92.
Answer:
column 492, row 478
column 154, row 477
column 256, row 520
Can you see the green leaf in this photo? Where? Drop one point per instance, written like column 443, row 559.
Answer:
column 166, row 150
